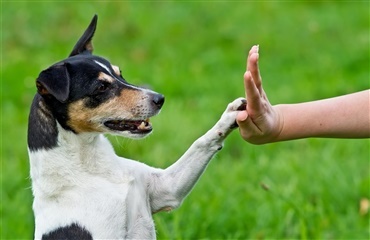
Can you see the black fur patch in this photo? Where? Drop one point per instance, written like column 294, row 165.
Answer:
column 73, row 231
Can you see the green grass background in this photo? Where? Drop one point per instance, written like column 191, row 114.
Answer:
column 194, row 53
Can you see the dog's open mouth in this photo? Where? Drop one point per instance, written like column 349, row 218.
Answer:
column 137, row 126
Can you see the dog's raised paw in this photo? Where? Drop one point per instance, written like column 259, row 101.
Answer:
column 242, row 102
column 243, row 105
column 229, row 116
column 238, row 104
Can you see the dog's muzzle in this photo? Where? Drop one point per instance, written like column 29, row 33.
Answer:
column 138, row 126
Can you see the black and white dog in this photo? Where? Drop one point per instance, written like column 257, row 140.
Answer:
column 81, row 188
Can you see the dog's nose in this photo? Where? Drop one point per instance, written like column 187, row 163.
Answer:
column 158, row 100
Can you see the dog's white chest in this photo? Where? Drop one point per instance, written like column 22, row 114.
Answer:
column 107, row 197
column 107, row 210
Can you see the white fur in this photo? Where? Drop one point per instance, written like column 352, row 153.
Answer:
column 83, row 181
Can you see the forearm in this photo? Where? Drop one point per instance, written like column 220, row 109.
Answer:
column 346, row 116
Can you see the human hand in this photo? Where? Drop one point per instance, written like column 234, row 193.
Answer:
column 260, row 123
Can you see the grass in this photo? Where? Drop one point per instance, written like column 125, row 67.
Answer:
column 194, row 53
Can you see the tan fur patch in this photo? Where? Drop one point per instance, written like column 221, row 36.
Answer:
column 89, row 46
column 44, row 112
column 116, row 70
column 105, row 77
column 84, row 119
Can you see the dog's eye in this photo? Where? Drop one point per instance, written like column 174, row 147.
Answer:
column 103, row 87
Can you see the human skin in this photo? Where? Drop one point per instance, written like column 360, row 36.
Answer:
column 346, row 116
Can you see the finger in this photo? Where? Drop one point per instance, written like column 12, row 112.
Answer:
column 251, row 52
column 254, row 69
column 253, row 95
column 254, row 49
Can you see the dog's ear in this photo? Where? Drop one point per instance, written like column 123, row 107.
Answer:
column 84, row 44
column 54, row 81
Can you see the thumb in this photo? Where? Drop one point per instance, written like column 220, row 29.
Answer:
column 241, row 117
column 246, row 124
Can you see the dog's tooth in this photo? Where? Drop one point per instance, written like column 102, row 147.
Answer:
column 141, row 126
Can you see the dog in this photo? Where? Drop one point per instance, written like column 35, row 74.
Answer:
column 81, row 188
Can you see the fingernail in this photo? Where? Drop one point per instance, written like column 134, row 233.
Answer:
column 258, row 47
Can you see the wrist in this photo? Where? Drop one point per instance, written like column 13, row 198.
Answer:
column 278, row 124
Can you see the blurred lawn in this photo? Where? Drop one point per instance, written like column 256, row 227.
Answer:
column 194, row 53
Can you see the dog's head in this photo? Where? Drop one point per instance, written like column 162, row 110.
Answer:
column 86, row 93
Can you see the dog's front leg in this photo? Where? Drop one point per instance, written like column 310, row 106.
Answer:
column 170, row 186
